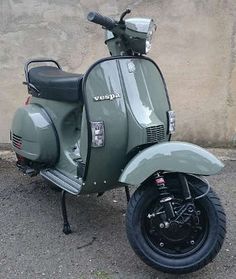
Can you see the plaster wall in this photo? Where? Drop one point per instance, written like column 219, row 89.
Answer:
column 195, row 46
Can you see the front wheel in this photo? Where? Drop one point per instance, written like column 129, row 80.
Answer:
column 182, row 245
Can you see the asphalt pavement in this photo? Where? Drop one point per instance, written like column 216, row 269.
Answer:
column 32, row 244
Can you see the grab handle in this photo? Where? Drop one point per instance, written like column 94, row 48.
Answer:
column 39, row 60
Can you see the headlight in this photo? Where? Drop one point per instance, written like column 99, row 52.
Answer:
column 139, row 33
column 151, row 30
column 171, row 120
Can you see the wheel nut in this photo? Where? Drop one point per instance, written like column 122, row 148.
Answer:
column 198, row 212
column 192, row 242
column 161, row 244
column 162, row 225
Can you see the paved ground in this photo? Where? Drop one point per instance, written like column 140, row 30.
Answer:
column 32, row 244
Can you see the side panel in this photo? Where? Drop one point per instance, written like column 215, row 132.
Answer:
column 33, row 135
column 66, row 117
column 171, row 157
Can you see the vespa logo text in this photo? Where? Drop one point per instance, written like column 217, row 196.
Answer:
column 106, row 97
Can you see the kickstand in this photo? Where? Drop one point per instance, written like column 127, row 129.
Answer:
column 66, row 225
column 127, row 193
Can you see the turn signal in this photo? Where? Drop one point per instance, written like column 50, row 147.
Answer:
column 171, row 120
column 98, row 134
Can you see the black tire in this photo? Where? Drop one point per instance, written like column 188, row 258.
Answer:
column 204, row 252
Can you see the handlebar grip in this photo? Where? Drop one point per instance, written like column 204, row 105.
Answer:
column 105, row 21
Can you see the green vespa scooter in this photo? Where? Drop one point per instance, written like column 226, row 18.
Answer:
column 111, row 128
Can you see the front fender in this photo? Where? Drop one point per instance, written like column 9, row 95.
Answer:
column 171, row 157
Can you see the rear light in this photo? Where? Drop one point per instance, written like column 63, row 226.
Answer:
column 27, row 101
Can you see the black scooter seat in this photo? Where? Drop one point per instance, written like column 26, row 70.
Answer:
column 55, row 84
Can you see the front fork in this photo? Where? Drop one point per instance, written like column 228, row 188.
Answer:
column 166, row 197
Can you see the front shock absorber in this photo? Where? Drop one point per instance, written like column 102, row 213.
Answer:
column 166, row 198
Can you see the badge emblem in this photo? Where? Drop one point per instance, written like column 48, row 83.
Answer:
column 107, row 97
column 131, row 67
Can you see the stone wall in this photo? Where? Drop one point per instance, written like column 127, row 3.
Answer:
column 195, row 46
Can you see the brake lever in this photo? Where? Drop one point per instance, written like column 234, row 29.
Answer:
column 127, row 11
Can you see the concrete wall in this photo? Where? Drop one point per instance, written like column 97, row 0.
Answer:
column 195, row 46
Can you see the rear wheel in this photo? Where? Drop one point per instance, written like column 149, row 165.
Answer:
column 179, row 246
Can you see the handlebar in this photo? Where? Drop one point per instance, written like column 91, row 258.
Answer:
column 105, row 21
